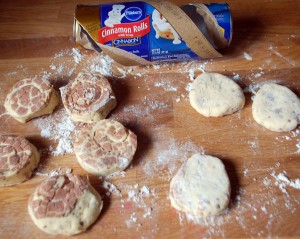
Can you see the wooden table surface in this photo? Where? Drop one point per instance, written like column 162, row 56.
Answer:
column 36, row 39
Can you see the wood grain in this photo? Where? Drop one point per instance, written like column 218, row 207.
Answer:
column 33, row 33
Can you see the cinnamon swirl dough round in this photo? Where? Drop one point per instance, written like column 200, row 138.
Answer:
column 31, row 98
column 64, row 204
column 18, row 158
column 105, row 147
column 89, row 98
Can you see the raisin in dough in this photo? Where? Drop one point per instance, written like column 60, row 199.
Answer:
column 89, row 98
column 215, row 95
column 31, row 98
column 201, row 187
column 105, row 147
column 64, row 204
column 276, row 108
column 18, row 158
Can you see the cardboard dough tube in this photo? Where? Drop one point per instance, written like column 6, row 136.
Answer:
column 140, row 33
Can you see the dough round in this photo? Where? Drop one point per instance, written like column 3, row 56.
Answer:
column 64, row 204
column 201, row 187
column 276, row 108
column 213, row 94
column 31, row 98
column 105, row 147
column 89, row 98
column 18, row 158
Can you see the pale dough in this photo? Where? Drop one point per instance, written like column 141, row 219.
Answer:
column 276, row 108
column 31, row 98
column 18, row 159
column 64, row 204
column 201, row 187
column 105, row 147
column 89, row 98
column 214, row 95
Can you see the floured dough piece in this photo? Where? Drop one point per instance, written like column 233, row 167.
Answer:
column 201, row 187
column 276, row 108
column 64, row 204
column 105, row 147
column 89, row 98
column 31, row 98
column 213, row 94
column 18, row 158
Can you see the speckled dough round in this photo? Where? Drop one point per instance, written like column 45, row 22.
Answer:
column 18, row 158
column 276, row 108
column 64, row 204
column 31, row 98
column 215, row 95
column 105, row 147
column 201, row 187
column 89, row 98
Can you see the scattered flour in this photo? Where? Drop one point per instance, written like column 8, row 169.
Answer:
column 166, row 85
column 188, row 87
column 236, row 77
column 104, row 67
column 291, row 136
column 168, row 157
column 197, row 68
column 192, row 74
column 144, row 199
column 247, row 56
column 76, row 55
column 282, row 181
column 133, row 219
column 58, row 127
column 111, row 188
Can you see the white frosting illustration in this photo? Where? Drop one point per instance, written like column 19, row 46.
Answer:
column 163, row 28
column 114, row 16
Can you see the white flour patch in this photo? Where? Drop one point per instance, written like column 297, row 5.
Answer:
column 166, row 85
column 192, row 74
column 188, row 87
column 58, row 127
column 111, row 188
column 236, row 77
column 156, row 67
column 168, row 157
column 257, row 75
column 76, row 55
column 247, row 56
column 131, row 220
column 104, row 67
column 282, row 181
column 196, row 68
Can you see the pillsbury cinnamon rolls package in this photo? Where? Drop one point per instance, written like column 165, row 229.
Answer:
column 139, row 33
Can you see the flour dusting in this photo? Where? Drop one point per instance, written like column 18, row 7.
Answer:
column 58, row 127
column 247, row 56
